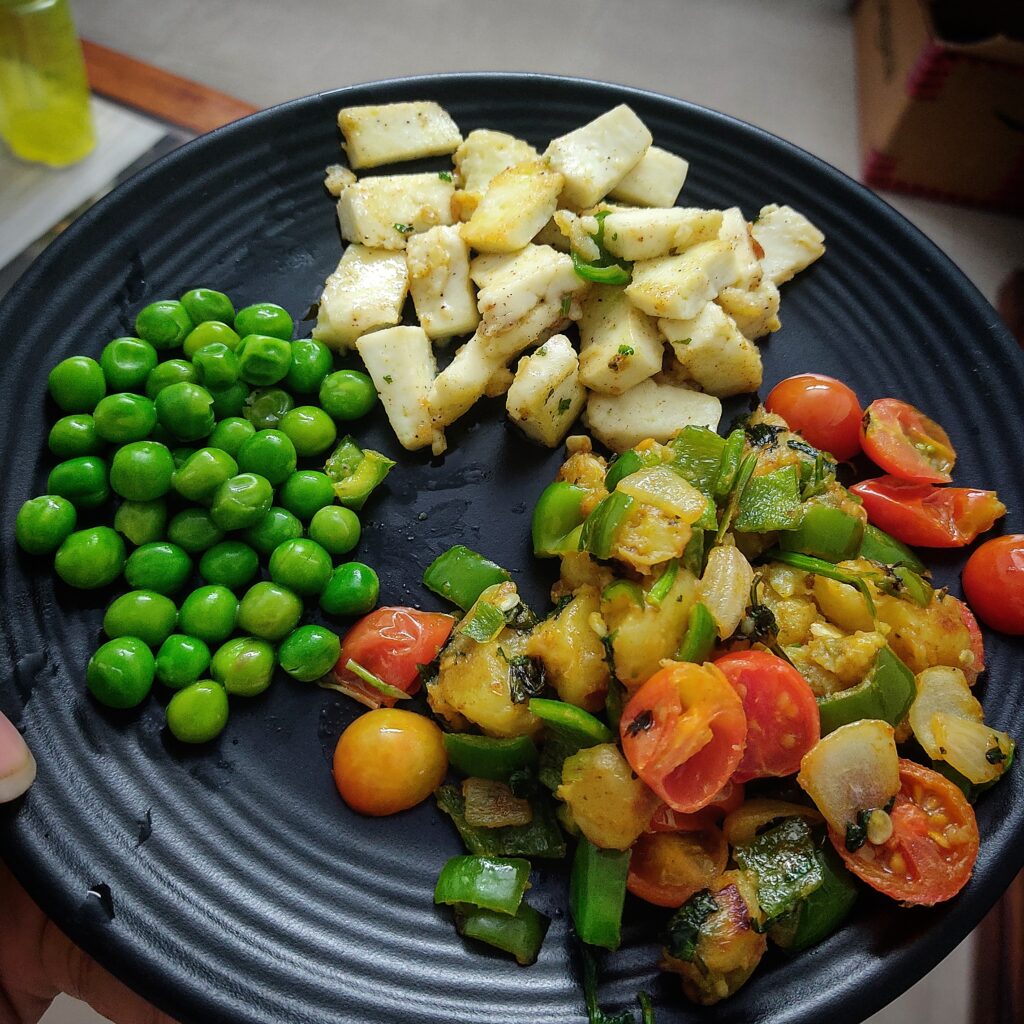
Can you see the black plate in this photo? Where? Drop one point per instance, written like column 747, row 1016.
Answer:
column 258, row 897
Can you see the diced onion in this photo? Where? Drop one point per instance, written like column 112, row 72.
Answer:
column 940, row 690
column 965, row 745
column 665, row 490
column 725, row 588
column 742, row 825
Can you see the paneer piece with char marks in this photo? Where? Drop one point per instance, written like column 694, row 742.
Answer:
column 518, row 202
column 656, row 180
column 384, row 211
column 790, row 242
column 391, row 132
column 755, row 310
column 619, row 344
column 546, row 396
column 483, row 155
column 679, row 286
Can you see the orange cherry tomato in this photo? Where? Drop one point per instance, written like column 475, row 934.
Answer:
column 782, row 713
column 822, row 409
column 667, row 868
column 906, row 443
column 683, row 733
column 928, row 516
column 726, row 800
column 389, row 760
column 934, row 843
column 977, row 641
column 994, row 583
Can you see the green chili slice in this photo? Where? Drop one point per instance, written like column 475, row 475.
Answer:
column 600, row 527
column 597, row 892
column 356, row 472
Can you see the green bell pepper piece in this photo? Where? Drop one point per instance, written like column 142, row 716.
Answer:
column 729, row 464
column 664, row 583
column 462, row 575
column 697, row 455
column 880, row 547
column 597, row 892
column 520, row 934
column 886, row 694
column 914, row 587
column 492, row 883
column 557, row 519
column 613, row 273
column 485, row 757
column 825, row 532
column 628, row 463
column 355, row 472
column 624, row 588
column 770, row 502
column 700, row 636
column 742, row 478
column 600, row 527
column 573, row 724
column 783, row 861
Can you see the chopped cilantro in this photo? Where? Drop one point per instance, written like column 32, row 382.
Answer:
column 563, row 406
column 388, row 379
column 626, row 350
column 445, row 175
column 403, row 229
column 566, row 304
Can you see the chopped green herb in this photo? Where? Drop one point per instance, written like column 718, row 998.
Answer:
column 388, row 379
column 445, row 175
column 857, row 831
column 566, row 304
column 403, row 229
column 626, row 350
column 564, row 405
column 685, row 925
column 525, row 677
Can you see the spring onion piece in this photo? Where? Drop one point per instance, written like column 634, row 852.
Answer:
column 355, row 472
column 600, row 527
column 880, row 547
column 769, row 502
column 462, row 575
column 913, row 587
column 819, row 567
column 613, row 273
column 521, row 934
column 597, row 892
column 483, row 623
column 485, row 757
column 623, row 590
column 742, row 478
column 491, row 883
column 377, row 683
column 572, row 724
column 886, row 695
column 557, row 519
column 969, row 789
column 664, row 583
column 700, row 635
column 825, row 532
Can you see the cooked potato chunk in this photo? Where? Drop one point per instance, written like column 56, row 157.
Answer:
column 596, row 157
column 366, row 292
column 546, row 396
column 656, row 180
column 385, row 134
column 483, row 155
column 712, row 351
column 401, row 363
column 337, row 177
column 646, row 234
column 736, row 232
column 383, row 211
column 650, row 409
column 679, row 286
column 518, row 202
column 789, row 240
column 619, row 344
column 755, row 310
column 438, row 262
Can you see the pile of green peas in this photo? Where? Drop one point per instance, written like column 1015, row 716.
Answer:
column 192, row 427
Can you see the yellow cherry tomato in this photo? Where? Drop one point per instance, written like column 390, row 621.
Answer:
column 389, row 760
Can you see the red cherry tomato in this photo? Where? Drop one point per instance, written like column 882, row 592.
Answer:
column 391, row 643
column 906, row 443
column 994, row 583
column 725, row 801
column 683, row 733
column 934, row 843
column 977, row 642
column 928, row 516
column 667, row 868
column 824, row 410
column 782, row 714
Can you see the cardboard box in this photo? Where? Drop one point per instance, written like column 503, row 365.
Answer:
column 939, row 118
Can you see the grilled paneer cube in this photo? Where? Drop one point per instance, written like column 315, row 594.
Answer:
column 401, row 362
column 463, row 381
column 789, row 240
column 366, row 292
column 619, row 344
column 736, row 232
column 438, row 262
column 483, row 155
column 679, row 286
column 337, row 177
column 646, row 234
column 383, row 211
column 546, row 396
column 755, row 310
column 656, row 180
column 376, row 135
column 596, row 157
column 518, row 202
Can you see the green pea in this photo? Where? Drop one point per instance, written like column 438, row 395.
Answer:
column 263, row 360
column 309, row 652
column 269, row 611
column 276, row 526
column 265, row 406
column 204, row 304
column 209, row 613
column 83, row 481
column 164, row 324
column 269, row 453
column 241, row 501
column 229, row 434
column 198, row 713
column 44, row 523
column 181, row 455
column 127, row 362
column 353, row 589
column 210, row 332
column 347, row 395
column 230, row 401
column 199, row 476
column 90, row 558
column 124, row 417
column 173, row 371
column 120, row 673
column 312, row 431
column 142, row 613
column 311, row 362
column 160, row 566
column 186, row 411
column 306, row 492
column 74, row 435
column 142, row 522
column 231, row 564
column 244, row 666
column 142, row 470
column 77, row 384
column 264, row 318
column 194, row 530
column 301, row 565
column 181, row 660
column 217, row 365
column 336, row 529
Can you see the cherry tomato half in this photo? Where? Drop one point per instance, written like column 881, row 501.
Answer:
column 977, row 641
column 667, row 868
column 391, row 643
column 728, row 799
column 934, row 843
column 822, row 409
column 994, row 583
column 683, row 733
column 782, row 714
column 928, row 516
column 906, row 443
